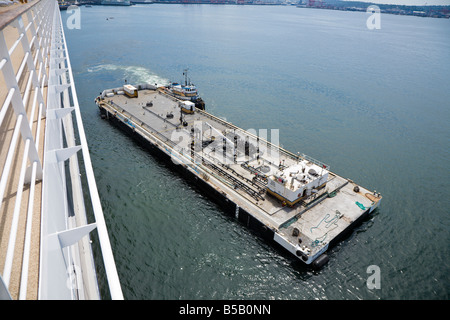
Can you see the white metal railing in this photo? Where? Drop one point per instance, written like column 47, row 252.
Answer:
column 316, row 162
column 38, row 93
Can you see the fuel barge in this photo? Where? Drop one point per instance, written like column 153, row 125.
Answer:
column 293, row 200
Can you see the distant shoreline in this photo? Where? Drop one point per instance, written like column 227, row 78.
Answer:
column 418, row 11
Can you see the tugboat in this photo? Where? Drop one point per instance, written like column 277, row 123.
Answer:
column 187, row 91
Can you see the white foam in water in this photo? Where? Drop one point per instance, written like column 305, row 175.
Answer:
column 133, row 74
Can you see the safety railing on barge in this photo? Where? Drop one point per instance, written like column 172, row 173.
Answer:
column 42, row 181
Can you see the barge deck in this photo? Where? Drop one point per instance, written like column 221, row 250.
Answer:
column 291, row 199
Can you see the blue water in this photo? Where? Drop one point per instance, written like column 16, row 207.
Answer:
column 373, row 104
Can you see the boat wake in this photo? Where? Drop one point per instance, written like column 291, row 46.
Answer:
column 133, row 74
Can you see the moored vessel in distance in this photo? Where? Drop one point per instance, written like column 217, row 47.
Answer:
column 142, row 2
column 290, row 199
column 116, row 3
column 63, row 5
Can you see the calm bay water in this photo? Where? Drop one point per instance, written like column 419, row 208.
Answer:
column 373, row 104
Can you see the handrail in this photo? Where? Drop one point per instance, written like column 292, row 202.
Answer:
column 110, row 266
column 19, row 101
column 9, row 16
column 40, row 95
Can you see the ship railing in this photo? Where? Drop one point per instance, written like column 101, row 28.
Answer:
column 315, row 161
column 44, row 212
column 229, row 125
column 244, row 132
column 286, row 153
column 203, row 162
